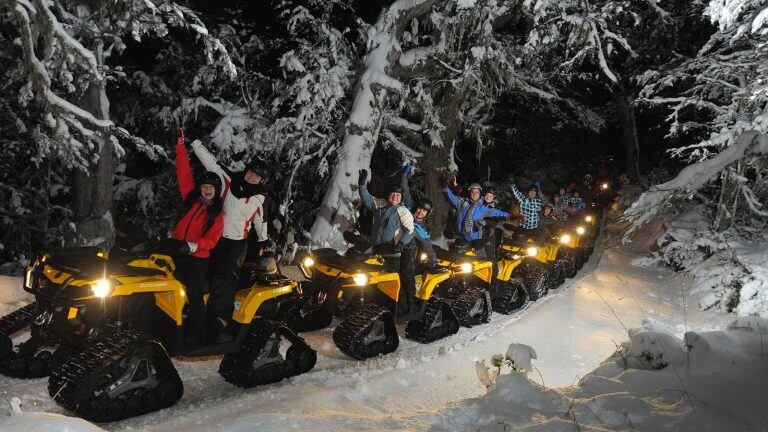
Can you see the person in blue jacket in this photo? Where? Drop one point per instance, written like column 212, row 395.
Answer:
column 472, row 211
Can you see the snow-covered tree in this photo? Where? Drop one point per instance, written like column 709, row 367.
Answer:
column 723, row 93
column 65, row 47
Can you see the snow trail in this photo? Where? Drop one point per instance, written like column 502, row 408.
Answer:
column 572, row 330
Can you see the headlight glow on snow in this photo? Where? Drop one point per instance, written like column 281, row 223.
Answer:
column 580, row 230
column 101, row 288
column 565, row 239
column 361, row 279
column 588, row 218
column 466, row 267
column 532, row 251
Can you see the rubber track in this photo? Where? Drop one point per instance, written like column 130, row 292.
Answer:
column 18, row 319
column 536, row 282
column 569, row 265
column 464, row 303
column 238, row 369
column 26, row 361
column 505, row 305
column 348, row 335
column 419, row 330
column 76, row 383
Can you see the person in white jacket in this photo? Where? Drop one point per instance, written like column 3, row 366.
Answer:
column 244, row 196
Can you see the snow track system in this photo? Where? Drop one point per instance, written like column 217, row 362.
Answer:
column 367, row 332
column 515, row 296
column 473, row 307
column 32, row 358
column 261, row 359
column 125, row 374
column 439, row 321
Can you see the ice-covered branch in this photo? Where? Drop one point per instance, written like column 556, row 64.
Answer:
column 693, row 178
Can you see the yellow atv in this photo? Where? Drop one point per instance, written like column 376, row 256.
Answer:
column 471, row 291
column 119, row 317
column 365, row 293
column 509, row 292
column 534, row 256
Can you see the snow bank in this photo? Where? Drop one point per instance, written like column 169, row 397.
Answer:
column 19, row 421
column 655, row 381
column 729, row 273
column 12, row 296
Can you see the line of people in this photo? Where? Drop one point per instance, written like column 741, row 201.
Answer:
column 222, row 207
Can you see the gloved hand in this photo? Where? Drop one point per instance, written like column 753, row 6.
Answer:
column 362, row 177
column 192, row 247
column 399, row 246
column 407, row 169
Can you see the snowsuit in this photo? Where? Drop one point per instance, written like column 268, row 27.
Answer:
column 243, row 209
column 421, row 232
column 549, row 223
column 192, row 269
column 469, row 221
column 576, row 204
column 391, row 224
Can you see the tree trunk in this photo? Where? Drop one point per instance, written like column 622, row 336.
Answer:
column 92, row 190
column 623, row 104
column 439, row 158
column 338, row 210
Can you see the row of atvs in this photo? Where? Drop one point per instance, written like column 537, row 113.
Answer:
column 104, row 325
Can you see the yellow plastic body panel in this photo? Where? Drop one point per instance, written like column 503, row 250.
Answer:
column 387, row 283
column 249, row 300
column 483, row 270
column 427, row 283
column 506, row 267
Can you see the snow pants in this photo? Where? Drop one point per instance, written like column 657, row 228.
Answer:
column 224, row 277
column 193, row 273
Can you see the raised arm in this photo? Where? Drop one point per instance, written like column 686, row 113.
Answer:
column 407, row 198
column 208, row 160
column 362, row 187
column 183, row 168
column 516, row 192
column 451, row 197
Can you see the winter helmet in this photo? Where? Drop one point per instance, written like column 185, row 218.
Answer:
column 396, row 189
column 211, row 178
column 475, row 186
column 532, row 187
column 491, row 190
column 258, row 167
column 424, row 204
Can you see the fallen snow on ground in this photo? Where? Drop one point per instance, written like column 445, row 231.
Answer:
column 710, row 381
column 572, row 330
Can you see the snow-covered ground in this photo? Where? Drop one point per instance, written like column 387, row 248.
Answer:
column 573, row 330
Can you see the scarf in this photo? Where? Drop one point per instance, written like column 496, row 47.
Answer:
column 468, row 221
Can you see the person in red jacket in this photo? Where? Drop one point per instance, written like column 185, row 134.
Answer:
column 200, row 225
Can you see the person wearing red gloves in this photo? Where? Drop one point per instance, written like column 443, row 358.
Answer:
column 200, row 224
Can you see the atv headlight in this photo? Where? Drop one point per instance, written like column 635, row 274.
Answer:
column 101, row 288
column 565, row 239
column 588, row 218
column 423, row 257
column 466, row 267
column 361, row 279
column 580, row 230
column 305, row 266
column 604, row 186
column 532, row 251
